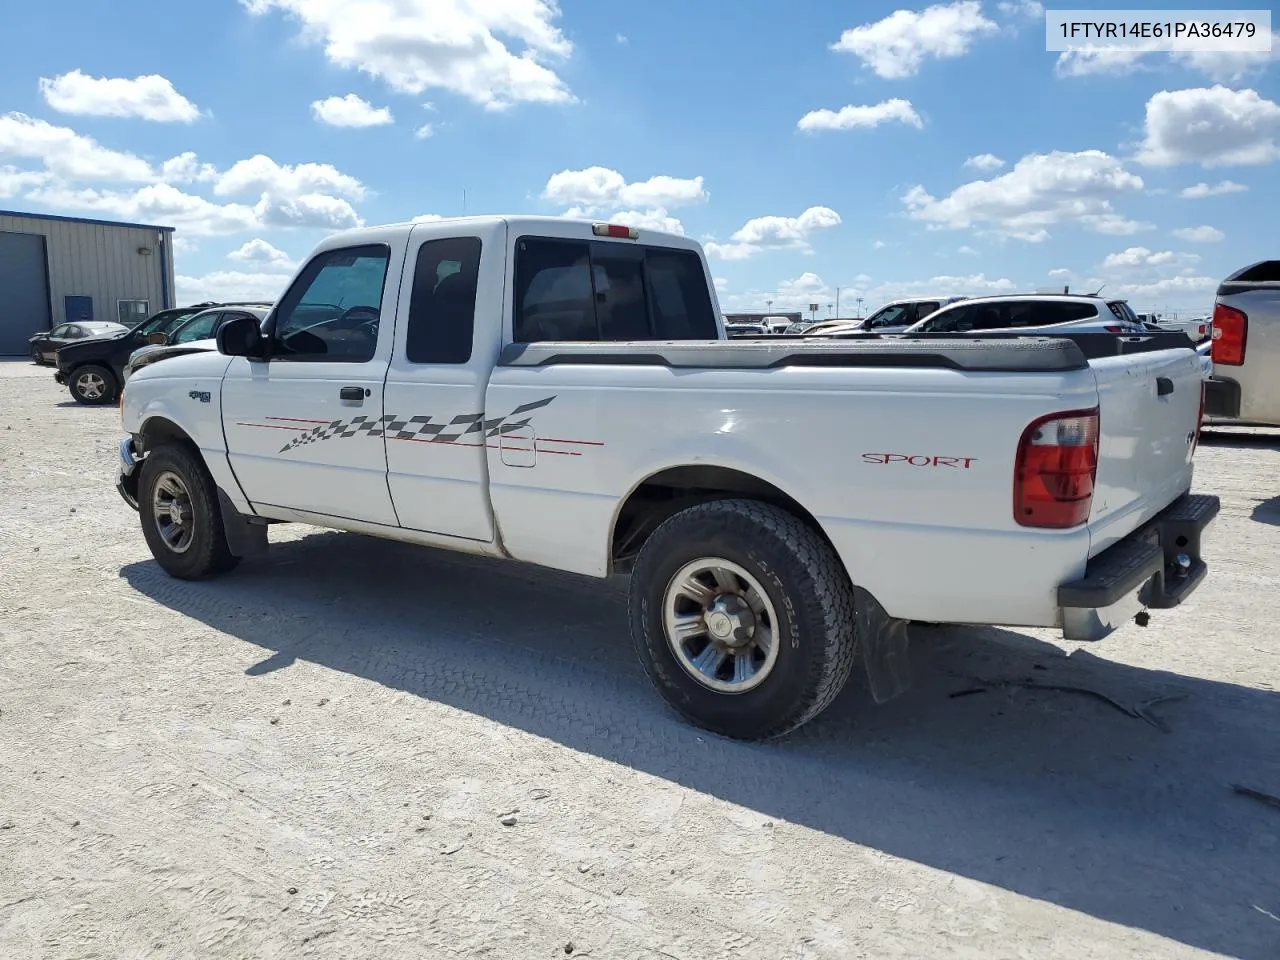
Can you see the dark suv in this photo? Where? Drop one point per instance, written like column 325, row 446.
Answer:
column 94, row 370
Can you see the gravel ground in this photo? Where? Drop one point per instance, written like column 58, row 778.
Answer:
column 353, row 748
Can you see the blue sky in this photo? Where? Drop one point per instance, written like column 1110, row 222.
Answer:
column 969, row 160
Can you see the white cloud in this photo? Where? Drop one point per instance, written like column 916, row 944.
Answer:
column 898, row 45
column 260, row 173
column 1205, row 234
column 1201, row 190
column 150, row 97
column 424, row 132
column 157, row 203
column 1212, row 126
column 463, row 46
column 621, row 39
column 984, row 162
column 184, row 244
column 427, row 218
column 774, row 233
column 1090, row 61
column 1140, row 257
column 967, row 251
column 66, row 153
column 600, row 188
column 1060, row 272
column 226, row 285
column 1041, row 191
column 260, row 251
column 13, row 181
column 165, row 204
column 350, row 111
column 878, row 245
column 850, row 117
column 1229, row 66
column 1031, row 9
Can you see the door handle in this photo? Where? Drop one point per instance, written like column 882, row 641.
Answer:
column 352, row 393
column 1164, row 386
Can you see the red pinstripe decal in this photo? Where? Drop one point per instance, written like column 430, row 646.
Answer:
column 491, row 446
column 585, row 443
column 297, row 420
column 272, row 426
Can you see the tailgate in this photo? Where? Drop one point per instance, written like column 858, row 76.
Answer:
column 1149, row 407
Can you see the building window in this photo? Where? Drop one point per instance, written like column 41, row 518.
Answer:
column 132, row 312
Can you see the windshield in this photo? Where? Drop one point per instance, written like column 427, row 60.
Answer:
column 161, row 322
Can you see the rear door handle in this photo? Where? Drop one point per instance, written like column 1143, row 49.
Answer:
column 352, row 393
column 1164, row 386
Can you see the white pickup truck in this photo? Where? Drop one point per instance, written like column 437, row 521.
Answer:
column 561, row 393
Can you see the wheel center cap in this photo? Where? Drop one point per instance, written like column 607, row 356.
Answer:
column 730, row 620
column 177, row 514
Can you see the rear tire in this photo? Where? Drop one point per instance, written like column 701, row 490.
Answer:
column 92, row 385
column 181, row 521
column 743, row 618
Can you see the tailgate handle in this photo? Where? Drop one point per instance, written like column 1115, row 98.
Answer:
column 1164, row 386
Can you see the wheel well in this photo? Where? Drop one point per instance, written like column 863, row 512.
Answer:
column 675, row 488
column 158, row 431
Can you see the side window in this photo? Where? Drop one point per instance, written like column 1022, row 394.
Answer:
column 988, row 316
column 956, row 320
column 332, row 311
column 1032, row 314
column 888, row 317
column 925, row 309
column 200, row 328
column 75, row 332
column 678, row 295
column 442, row 308
column 61, row 330
column 554, row 299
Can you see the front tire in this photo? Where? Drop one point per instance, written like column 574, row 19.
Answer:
column 37, row 357
column 92, row 385
column 181, row 521
column 743, row 618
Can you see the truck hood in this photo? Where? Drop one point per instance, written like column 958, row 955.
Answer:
column 153, row 353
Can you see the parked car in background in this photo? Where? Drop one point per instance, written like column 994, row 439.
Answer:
column 192, row 335
column 800, row 326
column 1033, row 313
column 45, row 345
column 1245, row 385
column 746, row 329
column 93, row 370
column 776, row 324
column 894, row 317
column 1197, row 328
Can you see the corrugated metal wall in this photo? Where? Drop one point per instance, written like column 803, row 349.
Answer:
column 102, row 262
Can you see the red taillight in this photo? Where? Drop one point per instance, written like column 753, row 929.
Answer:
column 1054, row 473
column 1230, row 330
column 1112, row 328
column 615, row 230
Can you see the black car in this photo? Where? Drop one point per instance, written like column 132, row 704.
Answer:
column 93, row 370
column 45, row 345
column 199, row 330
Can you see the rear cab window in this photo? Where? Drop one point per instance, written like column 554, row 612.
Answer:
column 590, row 290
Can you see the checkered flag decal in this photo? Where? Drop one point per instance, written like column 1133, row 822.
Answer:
column 420, row 428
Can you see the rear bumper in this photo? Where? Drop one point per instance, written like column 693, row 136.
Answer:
column 1156, row 567
column 1222, row 398
column 127, row 478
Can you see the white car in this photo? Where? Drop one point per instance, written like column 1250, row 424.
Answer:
column 468, row 384
column 893, row 317
column 1033, row 313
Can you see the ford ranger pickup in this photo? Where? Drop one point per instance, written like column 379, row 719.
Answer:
column 562, row 393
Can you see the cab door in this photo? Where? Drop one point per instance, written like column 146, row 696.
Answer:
column 304, row 426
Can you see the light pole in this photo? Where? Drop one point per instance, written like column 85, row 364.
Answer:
column 837, row 301
column 859, row 299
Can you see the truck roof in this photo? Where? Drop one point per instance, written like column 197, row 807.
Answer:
column 552, row 226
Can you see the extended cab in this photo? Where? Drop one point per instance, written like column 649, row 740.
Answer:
column 562, row 393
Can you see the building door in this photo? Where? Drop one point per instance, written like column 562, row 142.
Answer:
column 25, row 281
column 79, row 309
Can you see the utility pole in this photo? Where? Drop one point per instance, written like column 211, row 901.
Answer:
column 464, row 201
column 837, row 301
column 859, row 299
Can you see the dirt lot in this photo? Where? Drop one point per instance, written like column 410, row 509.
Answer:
column 314, row 757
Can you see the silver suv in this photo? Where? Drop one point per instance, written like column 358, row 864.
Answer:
column 1034, row 313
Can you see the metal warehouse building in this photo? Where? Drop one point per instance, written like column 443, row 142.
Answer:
column 59, row 269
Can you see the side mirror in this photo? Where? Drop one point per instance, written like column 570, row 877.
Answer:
column 157, row 338
column 241, row 337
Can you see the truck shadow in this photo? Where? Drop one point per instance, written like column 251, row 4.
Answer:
column 1267, row 511
column 1052, row 794
column 1260, row 438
